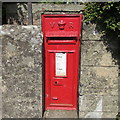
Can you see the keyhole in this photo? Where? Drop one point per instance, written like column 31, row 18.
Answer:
column 56, row 82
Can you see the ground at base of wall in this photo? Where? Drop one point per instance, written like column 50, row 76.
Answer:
column 60, row 114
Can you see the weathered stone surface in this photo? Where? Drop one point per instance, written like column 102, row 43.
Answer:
column 38, row 9
column 95, row 53
column 98, row 92
column 98, row 103
column 22, row 71
column 97, row 115
column 22, row 74
column 90, row 102
column 21, row 107
column 99, row 80
column 110, row 104
column 0, row 95
column 0, row 74
column 109, row 115
column 57, row 7
column 90, row 32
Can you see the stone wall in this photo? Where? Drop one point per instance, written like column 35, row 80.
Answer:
column 0, row 77
column 22, row 70
column 38, row 9
column 98, row 88
column 22, row 74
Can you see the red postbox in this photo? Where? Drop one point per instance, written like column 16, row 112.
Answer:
column 61, row 35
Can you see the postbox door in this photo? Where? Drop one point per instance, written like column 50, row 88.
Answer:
column 61, row 82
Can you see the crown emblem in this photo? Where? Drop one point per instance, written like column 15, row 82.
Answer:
column 61, row 25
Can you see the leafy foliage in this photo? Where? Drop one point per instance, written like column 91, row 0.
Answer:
column 118, row 116
column 105, row 14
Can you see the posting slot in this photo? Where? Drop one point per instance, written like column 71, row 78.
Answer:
column 61, row 40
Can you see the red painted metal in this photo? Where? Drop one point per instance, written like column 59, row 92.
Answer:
column 61, row 55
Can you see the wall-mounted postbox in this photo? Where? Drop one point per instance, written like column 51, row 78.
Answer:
column 61, row 58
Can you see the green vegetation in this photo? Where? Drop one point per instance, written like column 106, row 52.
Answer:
column 118, row 116
column 105, row 14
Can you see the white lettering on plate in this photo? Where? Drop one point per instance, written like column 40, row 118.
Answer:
column 60, row 64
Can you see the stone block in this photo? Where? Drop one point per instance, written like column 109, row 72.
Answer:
column 110, row 115
column 93, row 115
column 110, row 104
column 0, row 37
column 98, row 80
column 21, row 100
column 56, row 7
column 94, row 53
column 22, row 72
column 52, row 8
column 90, row 103
column 90, row 33
column 97, row 115
column 20, row 107
column 95, row 105
column 0, row 71
column 0, row 97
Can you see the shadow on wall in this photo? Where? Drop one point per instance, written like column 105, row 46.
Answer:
column 14, row 13
column 111, row 40
column 112, row 43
